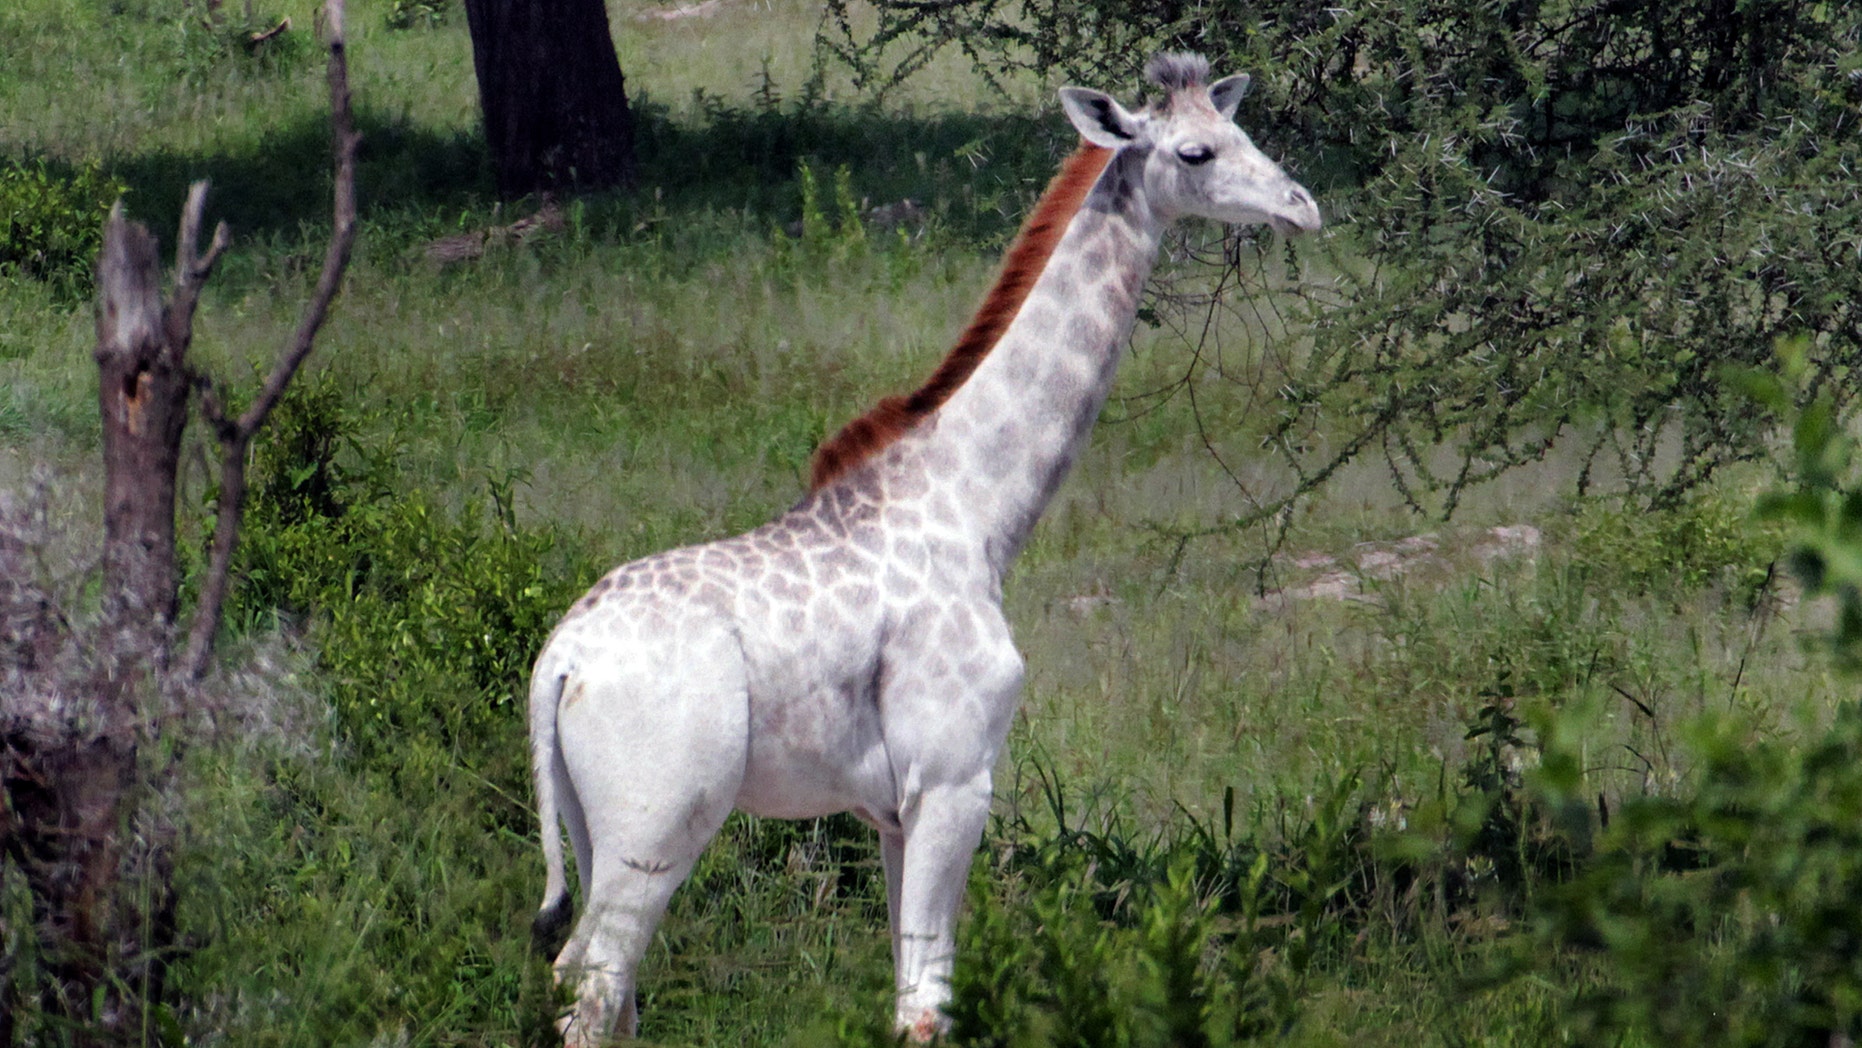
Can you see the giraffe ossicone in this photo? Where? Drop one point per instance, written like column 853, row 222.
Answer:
column 852, row 654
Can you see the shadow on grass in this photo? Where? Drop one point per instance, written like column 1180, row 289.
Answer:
column 973, row 172
column 280, row 183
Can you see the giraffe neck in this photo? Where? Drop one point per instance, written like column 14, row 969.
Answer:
column 1004, row 441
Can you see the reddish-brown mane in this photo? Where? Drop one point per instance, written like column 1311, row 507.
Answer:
column 1021, row 266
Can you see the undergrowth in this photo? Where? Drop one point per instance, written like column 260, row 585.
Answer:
column 51, row 222
column 426, row 620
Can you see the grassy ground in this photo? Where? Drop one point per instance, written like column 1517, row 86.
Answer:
column 658, row 374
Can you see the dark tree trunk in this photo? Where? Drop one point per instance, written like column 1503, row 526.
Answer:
column 554, row 102
column 101, row 957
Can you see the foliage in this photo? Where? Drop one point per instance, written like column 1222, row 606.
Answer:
column 1707, row 538
column 1047, row 971
column 1824, row 508
column 327, row 902
column 209, row 46
column 409, row 14
column 1724, row 914
column 1084, row 929
column 51, row 223
column 1572, row 214
column 427, row 622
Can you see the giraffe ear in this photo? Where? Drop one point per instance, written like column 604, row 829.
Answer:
column 1101, row 120
column 1225, row 94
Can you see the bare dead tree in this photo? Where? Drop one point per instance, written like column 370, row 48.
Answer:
column 78, row 705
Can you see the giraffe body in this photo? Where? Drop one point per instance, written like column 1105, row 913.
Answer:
column 852, row 655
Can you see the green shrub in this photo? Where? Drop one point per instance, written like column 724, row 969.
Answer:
column 1706, row 538
column 1047, row 971
column 1823, row 506
column 1085, row 930
column 51, row 224
column 1725, row 914
column 425, row 620
column 209, row 48
column 407, row 14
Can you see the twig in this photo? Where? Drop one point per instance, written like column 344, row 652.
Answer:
column 236, row 436
column 191, row 270
column 253, row 40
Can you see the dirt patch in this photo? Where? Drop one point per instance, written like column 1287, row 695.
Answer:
column 1343, row 577
column 680, row 12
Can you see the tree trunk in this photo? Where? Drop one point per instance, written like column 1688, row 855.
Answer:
column 68, row 750
column 142, row 392
column 554, row 101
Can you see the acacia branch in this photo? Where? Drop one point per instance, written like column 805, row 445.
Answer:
column 236, row 435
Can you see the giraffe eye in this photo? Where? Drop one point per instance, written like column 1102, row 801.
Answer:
column 1195, row 155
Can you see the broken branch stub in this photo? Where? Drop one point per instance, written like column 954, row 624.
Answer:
column 142, row 399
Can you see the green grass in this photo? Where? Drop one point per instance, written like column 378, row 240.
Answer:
column 658, row 375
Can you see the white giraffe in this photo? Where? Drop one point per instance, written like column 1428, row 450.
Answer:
column 852, row 655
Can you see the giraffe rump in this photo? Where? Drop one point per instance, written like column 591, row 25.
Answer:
column 894, row 416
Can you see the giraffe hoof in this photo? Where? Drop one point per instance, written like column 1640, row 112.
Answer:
column 929, row 1025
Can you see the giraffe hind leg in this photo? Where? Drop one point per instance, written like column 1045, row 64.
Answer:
column 602, row 958
column 656, row 756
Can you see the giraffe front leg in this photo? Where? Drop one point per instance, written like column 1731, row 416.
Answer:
column 939, row 842
column 892, row 860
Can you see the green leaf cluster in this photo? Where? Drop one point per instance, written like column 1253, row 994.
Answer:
column 214, row 46
column 411, row 14
column 1726, row 913
column 51, row 222
column 1822, row 507
column 1051, row 972
column 426, row 619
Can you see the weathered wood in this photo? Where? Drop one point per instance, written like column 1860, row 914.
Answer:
column 143, row 392
column 69, row 749
column 552, row 95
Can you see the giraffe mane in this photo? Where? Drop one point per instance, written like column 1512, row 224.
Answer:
column 1022, row 264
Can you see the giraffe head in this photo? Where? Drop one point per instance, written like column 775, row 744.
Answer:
column 1195, row 160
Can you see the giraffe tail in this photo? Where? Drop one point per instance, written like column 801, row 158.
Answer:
column 553, row 789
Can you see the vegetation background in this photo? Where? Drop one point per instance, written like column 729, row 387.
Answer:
column 1406, row 661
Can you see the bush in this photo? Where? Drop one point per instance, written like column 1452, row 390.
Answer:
column 1726, row 914
column 208, row 48
column 51, row 224
column 426, row 621
column 1046, row 971
column 1706, row 539
column 408, row 14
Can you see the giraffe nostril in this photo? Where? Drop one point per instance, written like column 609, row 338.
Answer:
column 1296, row 195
